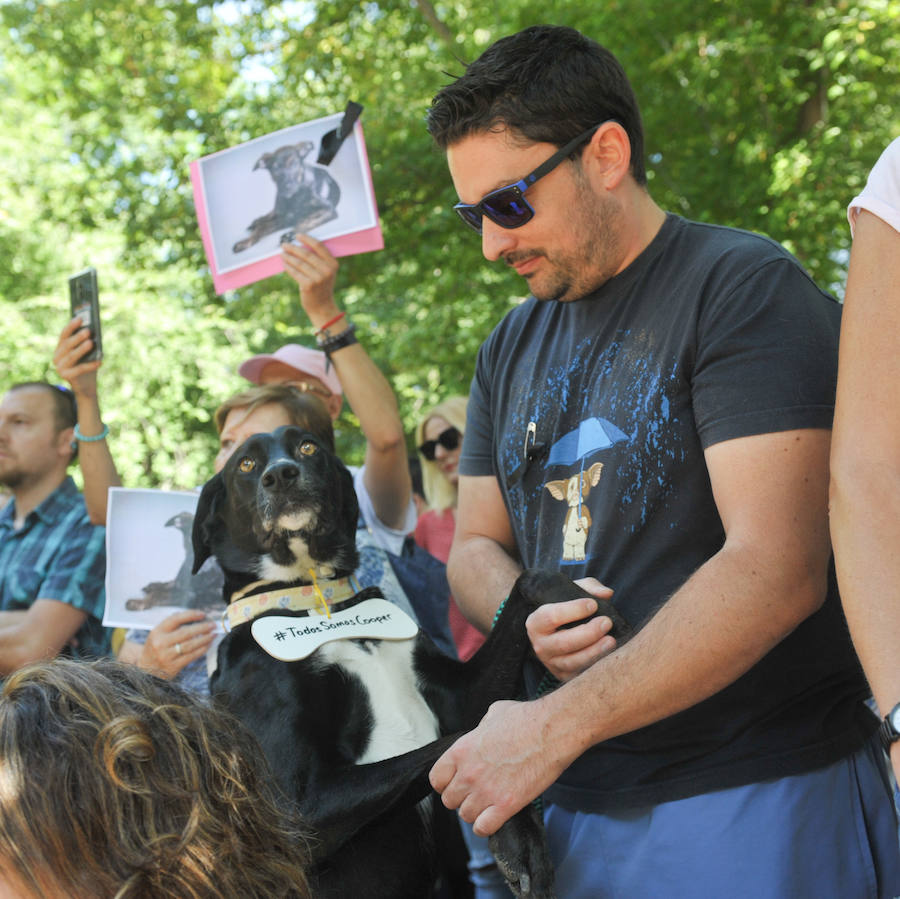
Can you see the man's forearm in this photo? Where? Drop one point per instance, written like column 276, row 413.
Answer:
column 39, row 632
column 481, row 574
column 724, row 619
column 17, row 646
column 11, row 619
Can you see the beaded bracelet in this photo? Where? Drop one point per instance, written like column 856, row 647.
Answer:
column 97, row 437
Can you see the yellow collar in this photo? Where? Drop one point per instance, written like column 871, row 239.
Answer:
column 317, row 595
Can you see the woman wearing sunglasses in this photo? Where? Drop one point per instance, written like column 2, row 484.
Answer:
column 439, row 441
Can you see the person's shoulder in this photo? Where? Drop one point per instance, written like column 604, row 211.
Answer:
column 514, row 322
column 727, row 240
column 723, row 255
column 66, row 505
column 890, row 158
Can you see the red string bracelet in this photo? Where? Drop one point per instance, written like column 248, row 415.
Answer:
column 329, row 323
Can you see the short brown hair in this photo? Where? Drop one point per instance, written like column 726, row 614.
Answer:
column 115, row 784
column 304, row 409
column 64, row 412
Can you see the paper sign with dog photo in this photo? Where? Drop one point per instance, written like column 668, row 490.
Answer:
column 252, row 197
column 149, row 557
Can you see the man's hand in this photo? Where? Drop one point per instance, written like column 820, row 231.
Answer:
column 312, row 266
column 566, row 652
column 495, row 770
column 74, row 342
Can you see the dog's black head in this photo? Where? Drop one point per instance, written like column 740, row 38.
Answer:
column 283, row 504
column 285, row 165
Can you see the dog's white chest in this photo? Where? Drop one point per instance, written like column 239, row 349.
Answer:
column 402, row 719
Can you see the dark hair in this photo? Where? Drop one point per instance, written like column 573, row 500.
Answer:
column 64, row 411
column 549, row 83
column 305, row 409
column 116, row 783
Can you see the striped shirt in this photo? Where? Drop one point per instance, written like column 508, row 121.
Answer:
column 56, row 554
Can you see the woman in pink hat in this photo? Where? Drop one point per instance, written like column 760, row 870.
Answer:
column 341, row 367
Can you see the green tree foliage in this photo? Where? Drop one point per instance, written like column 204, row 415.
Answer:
column 766, row 115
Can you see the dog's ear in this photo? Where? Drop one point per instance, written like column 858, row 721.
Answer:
column 349, row 506
column 263, row 161
column 349, row 502
column 205, row 518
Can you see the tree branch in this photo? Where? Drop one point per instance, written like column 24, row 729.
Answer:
column 430, row 16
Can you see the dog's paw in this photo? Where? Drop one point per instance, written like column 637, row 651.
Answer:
column 523, row 857
column 287, row 237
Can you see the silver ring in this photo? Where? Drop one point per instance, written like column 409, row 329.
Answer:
column 178, row 649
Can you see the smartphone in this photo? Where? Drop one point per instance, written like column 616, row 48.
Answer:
column 85, row 304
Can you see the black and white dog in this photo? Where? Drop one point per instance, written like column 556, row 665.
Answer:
column 306, row 195
column 352, row 721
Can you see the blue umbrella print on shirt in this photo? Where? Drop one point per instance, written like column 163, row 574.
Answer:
column 592, row 435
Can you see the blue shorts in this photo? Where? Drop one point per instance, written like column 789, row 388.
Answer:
column 828, row 834
column 486, row 878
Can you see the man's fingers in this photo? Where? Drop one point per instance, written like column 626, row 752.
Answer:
column 442, row 773
column 548, row 618
column 489, row 821
column 594, row 587
column 569, row 640
column 568, row 666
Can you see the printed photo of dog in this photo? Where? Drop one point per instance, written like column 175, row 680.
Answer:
column 306, row 195
column 253, row 198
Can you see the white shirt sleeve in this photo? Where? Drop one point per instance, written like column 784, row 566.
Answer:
column 881, row 195
column 390, row 539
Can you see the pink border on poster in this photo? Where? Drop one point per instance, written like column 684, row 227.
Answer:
column 345, row 245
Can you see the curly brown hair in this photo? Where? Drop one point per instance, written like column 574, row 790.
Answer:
column 115, row 784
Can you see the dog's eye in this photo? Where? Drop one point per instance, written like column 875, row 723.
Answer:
column 308, row 448
column 246, row 465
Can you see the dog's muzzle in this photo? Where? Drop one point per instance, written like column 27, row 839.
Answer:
column 282, row 502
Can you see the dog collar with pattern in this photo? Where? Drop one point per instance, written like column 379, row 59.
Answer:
column 319, row 594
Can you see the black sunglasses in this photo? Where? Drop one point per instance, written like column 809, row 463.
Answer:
column 507, row 206
column 448, row 439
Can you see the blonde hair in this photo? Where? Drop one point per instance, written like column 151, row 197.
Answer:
column 440, row 494
column 115, row 784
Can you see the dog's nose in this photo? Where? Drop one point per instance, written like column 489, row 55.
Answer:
column 279, row 475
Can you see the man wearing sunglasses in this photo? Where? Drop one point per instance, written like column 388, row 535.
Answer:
column 666, row 392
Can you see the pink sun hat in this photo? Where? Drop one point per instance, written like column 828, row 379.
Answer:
column 305, row 360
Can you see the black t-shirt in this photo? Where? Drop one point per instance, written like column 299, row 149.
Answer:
column 593, row 415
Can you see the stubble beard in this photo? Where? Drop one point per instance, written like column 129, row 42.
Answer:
column 12, row 478
column 593, row 260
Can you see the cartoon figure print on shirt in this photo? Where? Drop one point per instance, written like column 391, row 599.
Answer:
column 591, row 436
column 573, row 491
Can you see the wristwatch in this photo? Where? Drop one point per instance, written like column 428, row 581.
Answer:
column 890, row 728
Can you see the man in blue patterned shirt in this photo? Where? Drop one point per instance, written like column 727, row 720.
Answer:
column 52, row 559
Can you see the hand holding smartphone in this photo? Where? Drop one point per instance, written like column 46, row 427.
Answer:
column 85, row 304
